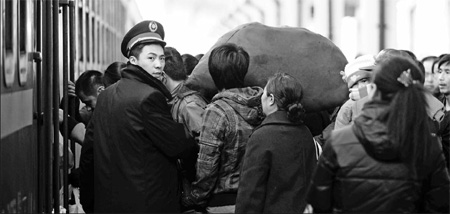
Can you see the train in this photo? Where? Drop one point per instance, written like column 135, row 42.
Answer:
column 43, row 45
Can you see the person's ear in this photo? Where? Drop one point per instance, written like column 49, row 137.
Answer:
column 371, row 90
column 271, row 99
column 133, row 60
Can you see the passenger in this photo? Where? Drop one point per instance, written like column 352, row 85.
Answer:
column 386, row 161
column 187, row 108
column 227, row 123
column 443, row 76
column 430, row 80
column 86, row 168
column 90, row 83
column 87, row 88
column 357, row 73
column 137, row 143
column 280, row 155
column 189, row 62
column 112, row 73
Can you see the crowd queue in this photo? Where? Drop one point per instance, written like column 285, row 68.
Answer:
column 151, row 144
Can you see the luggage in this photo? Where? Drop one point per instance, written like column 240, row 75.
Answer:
column 313, row 59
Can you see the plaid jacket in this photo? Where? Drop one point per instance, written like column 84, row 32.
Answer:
column 227, row 124
column 187, row 107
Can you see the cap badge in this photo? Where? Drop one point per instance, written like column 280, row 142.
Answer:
column 153, row 26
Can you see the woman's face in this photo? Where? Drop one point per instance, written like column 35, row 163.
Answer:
column 268, row 103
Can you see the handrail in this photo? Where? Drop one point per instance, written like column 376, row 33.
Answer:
column 55, row 96
column 64, row 5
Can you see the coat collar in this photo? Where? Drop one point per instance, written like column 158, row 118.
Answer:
column 279, row 118
column 135, row 72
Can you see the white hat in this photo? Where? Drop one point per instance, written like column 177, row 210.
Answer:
column 356, row 69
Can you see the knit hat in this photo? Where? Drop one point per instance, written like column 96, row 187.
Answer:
column 357, row 69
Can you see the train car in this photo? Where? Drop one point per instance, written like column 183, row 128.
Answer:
column 43, row 45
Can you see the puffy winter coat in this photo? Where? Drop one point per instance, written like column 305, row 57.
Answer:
column 359, row 171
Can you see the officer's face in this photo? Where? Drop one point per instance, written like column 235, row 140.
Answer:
column 151, row 59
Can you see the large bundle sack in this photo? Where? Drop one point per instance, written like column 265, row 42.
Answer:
column 313, row 59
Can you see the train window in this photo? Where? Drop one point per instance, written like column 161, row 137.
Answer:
column 94, row 45
column 87, row 38
column 10, row 43
column 8, row 27
column 98, row 43
column 80, row 34
column 23, row 26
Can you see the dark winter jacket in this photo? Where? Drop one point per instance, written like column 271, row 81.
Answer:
column 278, row 164
column 359, row 171
column 135, row 146
column 444, row 132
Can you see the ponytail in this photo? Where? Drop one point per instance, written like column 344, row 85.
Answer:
column 295, row 112
column 398, row 80
column 408, row 123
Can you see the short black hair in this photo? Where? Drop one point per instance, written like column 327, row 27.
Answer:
column 189, row 62
column 113, row 73
column 88, row 82
column 429, row 58
column 444, row 59
column 174, row 67
column 228, row 64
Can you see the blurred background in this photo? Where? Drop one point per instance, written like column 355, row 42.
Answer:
column 356, row 26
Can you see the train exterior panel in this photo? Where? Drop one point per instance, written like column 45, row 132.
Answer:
column 44, row 43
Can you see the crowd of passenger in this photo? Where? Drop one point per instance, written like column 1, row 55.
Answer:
column 152, row 144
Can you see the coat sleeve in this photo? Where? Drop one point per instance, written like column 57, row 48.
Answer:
column 164, row 132
column 211, row 142
column 253, row 180
column 344, row 116
column 444, row 133
column 192, row 117
column 436, row 187
column 320, row 194
column 87, row 170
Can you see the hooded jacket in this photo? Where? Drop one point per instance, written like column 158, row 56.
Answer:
column 226, row 126
column 135, row 146
column 360, row 171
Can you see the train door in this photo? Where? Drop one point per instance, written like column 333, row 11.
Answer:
column 18, row 144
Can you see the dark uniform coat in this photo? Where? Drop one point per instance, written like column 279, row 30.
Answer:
column 135, row 146
column 360, row 171
column 278, row 164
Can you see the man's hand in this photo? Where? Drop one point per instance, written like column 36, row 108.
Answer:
column 71, row 89
column 61, row 116
column 187, row 200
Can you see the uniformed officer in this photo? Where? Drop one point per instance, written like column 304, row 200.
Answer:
column 136, row 140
